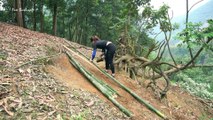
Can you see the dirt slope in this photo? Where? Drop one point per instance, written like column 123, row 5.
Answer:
column 64, row 92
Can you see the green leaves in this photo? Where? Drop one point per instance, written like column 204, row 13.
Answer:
column 196, row 82
column 195, row 35
column 157, row 17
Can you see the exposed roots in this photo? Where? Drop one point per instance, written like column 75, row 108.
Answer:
column 139, row 66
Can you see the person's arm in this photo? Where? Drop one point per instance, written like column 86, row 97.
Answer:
column 93, row 54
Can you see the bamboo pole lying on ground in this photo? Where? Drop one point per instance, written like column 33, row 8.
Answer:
column 101, row 82
column 150, row 107
column 106, row 90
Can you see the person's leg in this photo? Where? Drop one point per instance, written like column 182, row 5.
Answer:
column 110, row 58
column 111, row 64
column 107, row 61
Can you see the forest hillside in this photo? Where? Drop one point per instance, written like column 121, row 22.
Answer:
column 38, row 82
column 47, row 71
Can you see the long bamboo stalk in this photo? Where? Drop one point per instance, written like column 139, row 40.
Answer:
column 134, row 95
column 101, row 82
column 150, row 107
column 105, row 90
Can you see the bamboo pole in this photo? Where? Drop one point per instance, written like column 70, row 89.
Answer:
column 101, row 82
column 104, row 90
column 150, row 107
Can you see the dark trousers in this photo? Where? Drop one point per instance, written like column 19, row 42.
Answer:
column 109, row 57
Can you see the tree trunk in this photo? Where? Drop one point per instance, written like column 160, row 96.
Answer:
column 34, row 15
column 76, row 31
column 19, row 16
column 63, row 27
column 41, row 16
column 11, row 13
column 23, row 4
column 70, row 36
column 55, row 19
column 187, row 35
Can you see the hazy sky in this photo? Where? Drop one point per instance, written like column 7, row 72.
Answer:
column 177, row 6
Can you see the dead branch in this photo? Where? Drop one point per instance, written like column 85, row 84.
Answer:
column 196, row 55
column 163, row 93
column 159, row 51
column 161, row 63
column 194, row 5
column 123, row 58
column 38, row 59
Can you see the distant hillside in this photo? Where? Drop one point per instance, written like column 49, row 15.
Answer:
column 201, row 14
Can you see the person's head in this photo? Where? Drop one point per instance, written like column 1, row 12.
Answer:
column 94, row 38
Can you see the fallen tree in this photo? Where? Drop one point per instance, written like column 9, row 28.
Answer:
column 135, row 58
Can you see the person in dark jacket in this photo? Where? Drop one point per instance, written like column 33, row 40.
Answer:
column 108, row 51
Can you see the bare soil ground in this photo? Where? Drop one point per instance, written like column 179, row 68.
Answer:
column 49, row 87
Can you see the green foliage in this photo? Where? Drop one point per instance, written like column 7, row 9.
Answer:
column 80, row 116
column 157, row 17
column 3, row 55
column 199, row 86
column 79, row 19
column 195, row 35
column 204, row 117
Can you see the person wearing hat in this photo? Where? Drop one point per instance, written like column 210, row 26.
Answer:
column 108, row 51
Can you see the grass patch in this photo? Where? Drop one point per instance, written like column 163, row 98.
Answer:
column 3, row 55
column 80, row 116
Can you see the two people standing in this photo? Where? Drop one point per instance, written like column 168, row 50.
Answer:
column 108, row 51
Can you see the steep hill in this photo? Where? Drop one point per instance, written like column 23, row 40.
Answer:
column 200, row 14
column 38, row 82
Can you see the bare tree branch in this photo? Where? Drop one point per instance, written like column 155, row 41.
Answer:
column 195, row 4
column 196, row 55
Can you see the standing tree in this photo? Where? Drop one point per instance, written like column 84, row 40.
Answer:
column 41, row 16
column 55, row 7
column 34, row 15
column 19, row 16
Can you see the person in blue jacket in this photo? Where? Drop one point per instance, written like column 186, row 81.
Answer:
column 108, row 51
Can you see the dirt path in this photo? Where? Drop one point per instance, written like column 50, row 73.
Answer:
column 67, row 73
column 125, row 98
